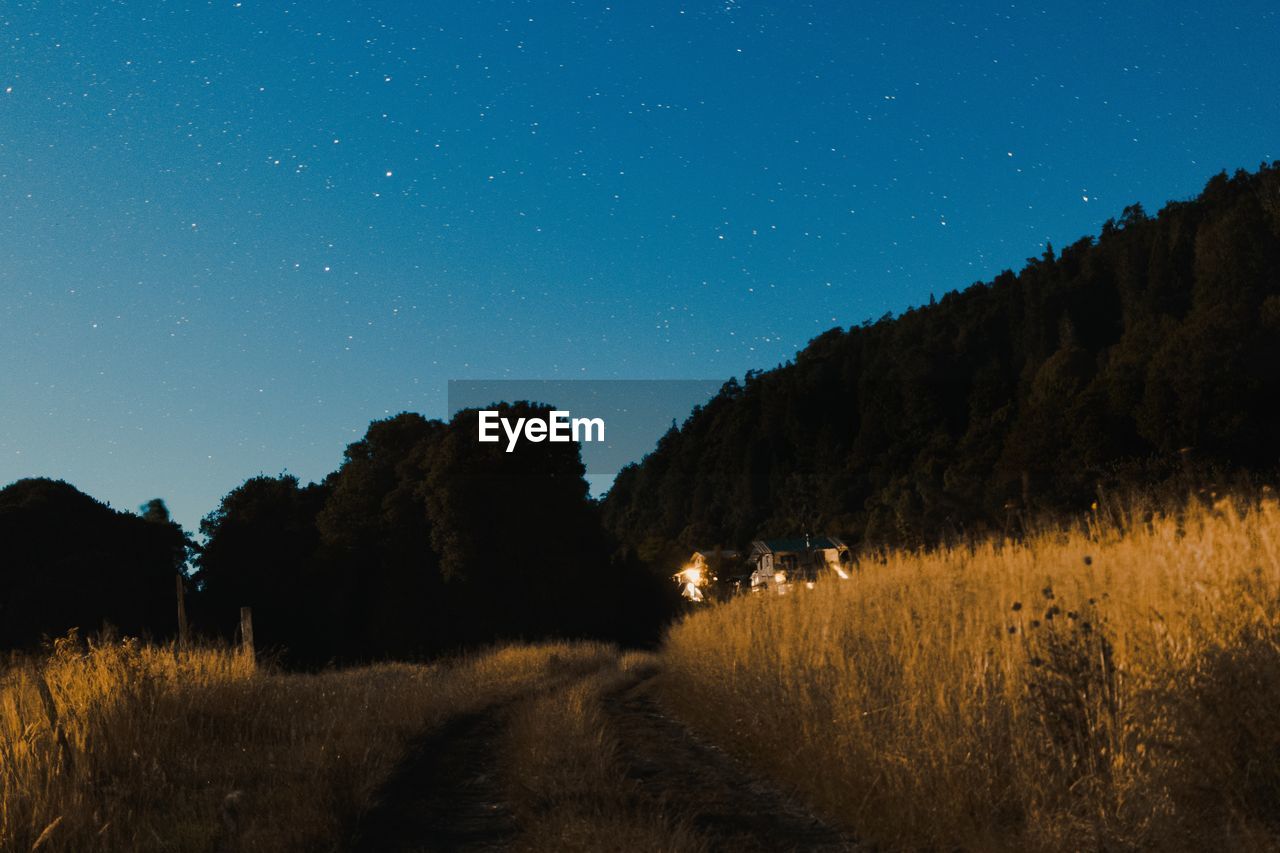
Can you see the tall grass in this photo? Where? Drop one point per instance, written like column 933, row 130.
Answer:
column 120, row 746
column 1116, row 686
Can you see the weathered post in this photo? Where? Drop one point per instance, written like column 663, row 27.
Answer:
column 246, row 633
column 183, row 632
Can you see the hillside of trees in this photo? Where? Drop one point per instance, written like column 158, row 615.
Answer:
column 1127, row 360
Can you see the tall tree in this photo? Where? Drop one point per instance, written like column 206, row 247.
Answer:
column 377, row 539
column 68, row 561
column 520, row 541
column 260, row 552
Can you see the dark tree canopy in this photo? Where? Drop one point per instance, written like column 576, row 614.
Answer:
column 71, row 562
column 1095, row 367
column 259, row 553
column 376, row 544
column 521, row 542
column 423, row 541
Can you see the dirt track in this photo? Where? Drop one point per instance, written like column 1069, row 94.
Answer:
column 446, row 796
column 449, row 794
column 737, row 811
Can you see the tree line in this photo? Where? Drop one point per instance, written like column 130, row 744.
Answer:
column 424, row 541
column 1149, row 355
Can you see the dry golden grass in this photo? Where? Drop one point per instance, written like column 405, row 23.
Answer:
column 1113, row 687
column 566, row 780
column 127, row 747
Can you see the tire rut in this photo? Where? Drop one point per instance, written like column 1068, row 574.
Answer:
column 447, row 795
column 737, row 811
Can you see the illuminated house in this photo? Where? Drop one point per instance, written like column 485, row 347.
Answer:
column 778, row 563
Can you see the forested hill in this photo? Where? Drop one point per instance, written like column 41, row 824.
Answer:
column 1120, row 361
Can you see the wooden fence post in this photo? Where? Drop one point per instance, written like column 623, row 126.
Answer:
column 184, row 637
column 246, row 633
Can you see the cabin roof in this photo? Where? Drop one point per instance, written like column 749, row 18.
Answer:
column 794, row 545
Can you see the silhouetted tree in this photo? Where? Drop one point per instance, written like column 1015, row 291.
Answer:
column 376, row 540
column 423, row 541
column 68, row 561
column 260, row 552
column 520, row 542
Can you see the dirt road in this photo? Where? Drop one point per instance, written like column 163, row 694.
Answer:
column 446, row 796
column 735, row 810
column 458, row 790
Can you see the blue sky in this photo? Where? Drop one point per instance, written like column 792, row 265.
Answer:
column 236, row 232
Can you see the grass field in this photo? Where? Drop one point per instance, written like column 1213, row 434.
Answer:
column 1116, row 686
column 127, row 747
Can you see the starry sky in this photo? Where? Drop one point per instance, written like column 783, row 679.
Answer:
column 235, row 232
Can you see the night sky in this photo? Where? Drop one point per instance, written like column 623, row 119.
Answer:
column 235, row 232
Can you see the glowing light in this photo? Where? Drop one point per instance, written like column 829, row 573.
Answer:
column 691, row 574
column 693, row 580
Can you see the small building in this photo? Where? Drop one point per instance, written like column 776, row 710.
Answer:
column 777, row 564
